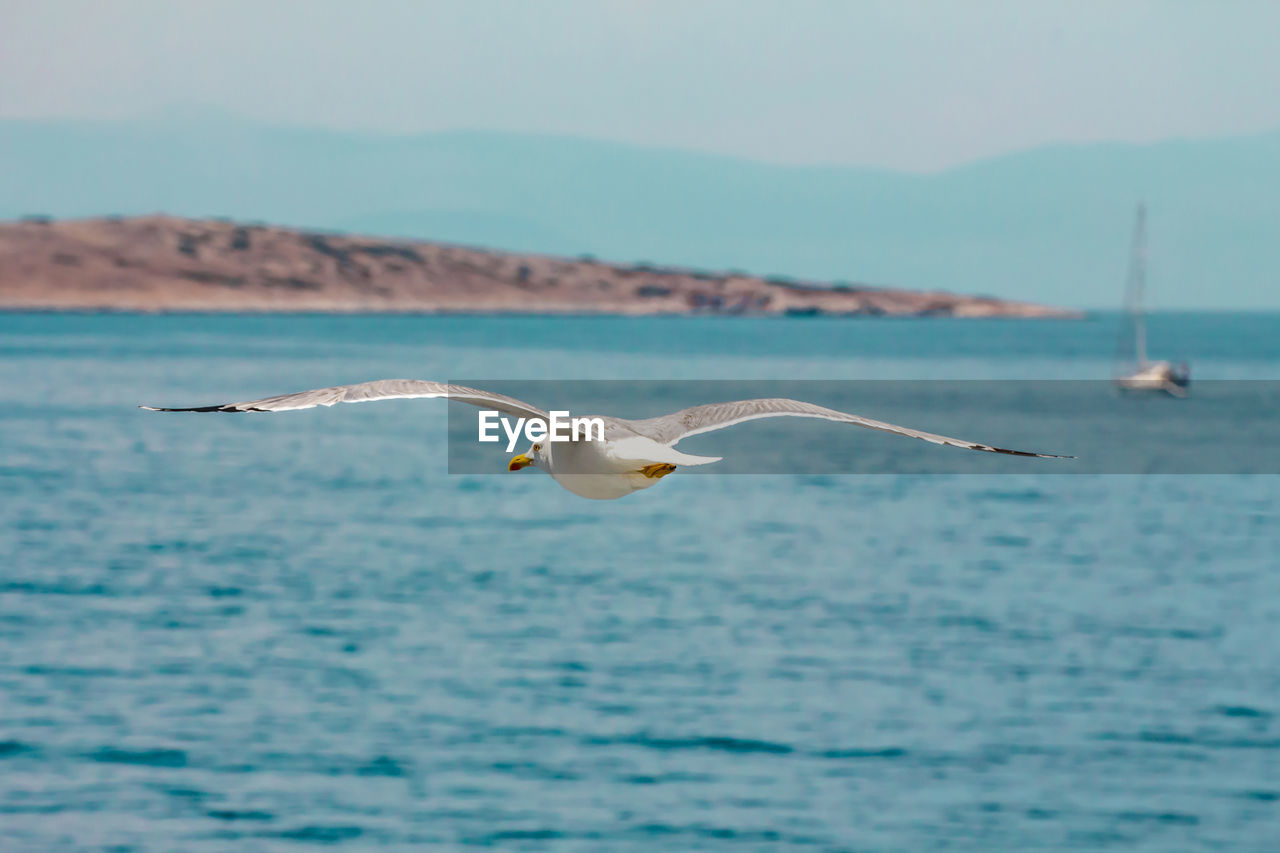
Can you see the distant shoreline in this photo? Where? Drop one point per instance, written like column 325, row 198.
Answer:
column 167, row 265
column 55, row 311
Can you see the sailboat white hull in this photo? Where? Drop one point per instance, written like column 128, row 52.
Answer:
column 1157, row 376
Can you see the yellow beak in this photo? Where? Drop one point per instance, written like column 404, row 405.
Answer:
column 518, row 462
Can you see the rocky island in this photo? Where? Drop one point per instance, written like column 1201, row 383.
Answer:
column 169, row 264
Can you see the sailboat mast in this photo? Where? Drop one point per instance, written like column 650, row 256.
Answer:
column 1137, row 282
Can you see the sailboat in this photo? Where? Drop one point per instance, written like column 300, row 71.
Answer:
column 1135, row 372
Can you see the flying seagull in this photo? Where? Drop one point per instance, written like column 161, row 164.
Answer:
column 632, row 455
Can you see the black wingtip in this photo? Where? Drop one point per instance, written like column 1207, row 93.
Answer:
column 1009, row 452
column 221, row 408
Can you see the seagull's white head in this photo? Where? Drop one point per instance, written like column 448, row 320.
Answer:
column 537, row 456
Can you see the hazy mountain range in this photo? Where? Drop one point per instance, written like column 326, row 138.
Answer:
column 1049, row 225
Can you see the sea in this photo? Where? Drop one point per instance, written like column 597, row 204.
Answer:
column 231, row 633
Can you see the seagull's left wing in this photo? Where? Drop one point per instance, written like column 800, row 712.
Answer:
column 364, row 392
column 670, row 429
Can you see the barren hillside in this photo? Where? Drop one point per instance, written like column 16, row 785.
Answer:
column 160, row 263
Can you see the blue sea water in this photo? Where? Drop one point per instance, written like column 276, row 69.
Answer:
column 270, row 633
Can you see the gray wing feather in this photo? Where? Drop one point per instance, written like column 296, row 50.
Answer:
column 670, row 429
column 364, row 392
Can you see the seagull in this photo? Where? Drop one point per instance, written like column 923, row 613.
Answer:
column 631, row 455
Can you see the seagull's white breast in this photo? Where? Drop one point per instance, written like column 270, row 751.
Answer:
column 590, row 469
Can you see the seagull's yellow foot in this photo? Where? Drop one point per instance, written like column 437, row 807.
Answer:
column 657, row 470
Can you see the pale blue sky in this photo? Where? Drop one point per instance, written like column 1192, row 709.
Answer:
column 909, row 85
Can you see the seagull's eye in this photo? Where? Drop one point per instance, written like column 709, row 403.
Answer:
column 537, row 447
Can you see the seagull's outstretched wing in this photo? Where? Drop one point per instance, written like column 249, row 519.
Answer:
column 670, row 429
column 364, row 392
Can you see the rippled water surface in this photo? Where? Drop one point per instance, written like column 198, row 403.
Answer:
column 264, row 633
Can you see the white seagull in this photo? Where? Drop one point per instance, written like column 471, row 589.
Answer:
column 633, row 455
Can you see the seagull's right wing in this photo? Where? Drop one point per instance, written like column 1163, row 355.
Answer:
column 670, row 429
column 364, row 392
